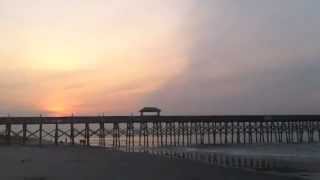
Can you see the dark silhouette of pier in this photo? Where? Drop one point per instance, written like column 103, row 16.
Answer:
column 161, row 131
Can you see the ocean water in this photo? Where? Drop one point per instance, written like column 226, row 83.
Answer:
column 298, row 160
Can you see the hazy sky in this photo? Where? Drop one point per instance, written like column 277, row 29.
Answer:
column 185, row 56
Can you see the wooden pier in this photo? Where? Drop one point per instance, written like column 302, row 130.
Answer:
column 160, row 131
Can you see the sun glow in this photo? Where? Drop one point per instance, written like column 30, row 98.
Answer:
column 57, row 110
column 56, row 107
column 92, row 59
column 57, row 57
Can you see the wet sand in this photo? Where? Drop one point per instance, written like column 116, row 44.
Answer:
column 66, row 163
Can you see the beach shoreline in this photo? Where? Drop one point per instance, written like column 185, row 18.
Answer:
column 66, row 162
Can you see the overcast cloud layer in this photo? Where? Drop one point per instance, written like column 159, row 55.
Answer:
column 249, row 57
column 185, row 56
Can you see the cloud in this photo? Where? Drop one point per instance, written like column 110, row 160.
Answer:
column 188, row 57
column 249, row 58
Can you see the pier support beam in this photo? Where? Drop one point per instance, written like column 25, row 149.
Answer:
column 40, row 131
column 8, row 133
column 102, row 136
column 87, row 134
column 24, row 133
column 56, row 134
column 72, row 132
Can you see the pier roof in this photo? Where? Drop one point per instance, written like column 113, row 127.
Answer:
column 150, row 109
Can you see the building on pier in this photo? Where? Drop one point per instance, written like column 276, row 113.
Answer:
column 150, row 110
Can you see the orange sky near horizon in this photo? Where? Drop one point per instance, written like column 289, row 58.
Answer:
column 77, row 57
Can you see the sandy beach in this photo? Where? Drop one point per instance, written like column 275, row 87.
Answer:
column 66, row 163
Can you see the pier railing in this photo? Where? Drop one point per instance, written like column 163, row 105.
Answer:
column 159, row 131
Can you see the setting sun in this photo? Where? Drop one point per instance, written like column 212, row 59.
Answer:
column 57, row 110
column 56, row 106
